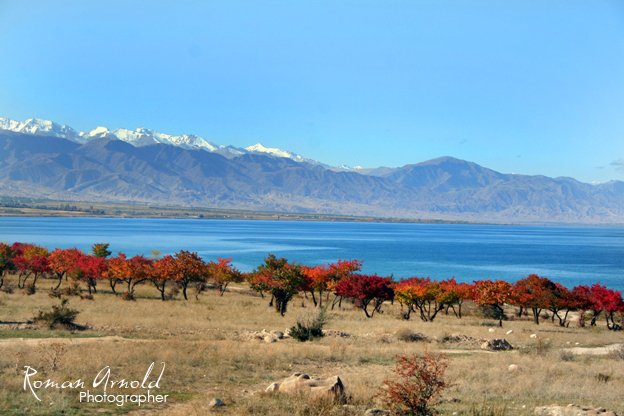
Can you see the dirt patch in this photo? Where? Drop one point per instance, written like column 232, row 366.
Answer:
column 596, row 350
column 69, row 341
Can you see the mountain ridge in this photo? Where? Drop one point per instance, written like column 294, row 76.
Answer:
column 106, row 170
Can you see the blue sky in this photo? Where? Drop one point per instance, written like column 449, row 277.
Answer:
column 533, row 87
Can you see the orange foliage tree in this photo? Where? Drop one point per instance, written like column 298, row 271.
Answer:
column 495, row 293
column 188, row 267
column 6, row 261
column 130, row 271
column 163, row 272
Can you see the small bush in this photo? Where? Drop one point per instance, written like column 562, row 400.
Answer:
column 172, row 293
column 31, row 290
column 8, row 289
column 309, row 327
column 128, row 296
column 566, row 356
column 419, row 381
column 59, row 315
column 491, row 312
column 73, row 289
column 55, row 293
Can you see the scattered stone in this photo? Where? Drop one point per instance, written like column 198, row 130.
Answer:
column 510, row 332
column 331, row 387
column 491, row 330
column 269, row 338
column 533, row 336
column 496, row 345
column 513, row 368
column 335, row 333
column 216, row 403
column 449, row 400
column 572, row 410
column 277, row 334
column 463, row 339
column 376, row 412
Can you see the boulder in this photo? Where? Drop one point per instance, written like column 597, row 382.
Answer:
column 572, row 410
column 513, row 368
column 533, row 336
column 510, row 332
column 496, row 345
column 277, row 334
column 216, row 403
column 330, row 387
column 491, row 330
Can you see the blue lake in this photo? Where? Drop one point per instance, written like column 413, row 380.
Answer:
column 570, row 255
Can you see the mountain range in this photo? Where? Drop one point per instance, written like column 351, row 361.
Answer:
column 100, row 166
column 144, row 137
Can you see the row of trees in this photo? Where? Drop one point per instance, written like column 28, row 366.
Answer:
column 283, row 280
column 31, row 262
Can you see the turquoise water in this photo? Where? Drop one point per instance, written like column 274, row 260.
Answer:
column 570, row 255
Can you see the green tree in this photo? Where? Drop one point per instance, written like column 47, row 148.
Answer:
column 101, row 250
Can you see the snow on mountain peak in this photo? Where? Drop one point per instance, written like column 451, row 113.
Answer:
column 142, row 137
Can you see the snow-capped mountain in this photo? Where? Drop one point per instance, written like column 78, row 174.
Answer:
column 141, row 137
column 258, row 148
column 40, row 127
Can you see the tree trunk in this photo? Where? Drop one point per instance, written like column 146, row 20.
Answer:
column 59, row 283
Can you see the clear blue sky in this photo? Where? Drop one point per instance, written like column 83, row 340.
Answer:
column 533, row 87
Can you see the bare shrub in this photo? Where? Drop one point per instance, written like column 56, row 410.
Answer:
column 418, row 381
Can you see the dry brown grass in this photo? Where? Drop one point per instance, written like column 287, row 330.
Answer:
column 207, row 357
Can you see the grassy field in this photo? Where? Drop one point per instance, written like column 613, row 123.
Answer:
column 208, row 354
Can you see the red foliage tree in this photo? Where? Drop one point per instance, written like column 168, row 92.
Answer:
column 607, row 301
column 533, row 292
column 63, row 262
column 32, row 260
column 323, row 278
column 366, row 289
column 223, row 273
column 90, row 269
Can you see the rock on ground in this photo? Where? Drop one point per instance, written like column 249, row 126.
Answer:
column 330, row 387
column 496, row 345
column 216, row 403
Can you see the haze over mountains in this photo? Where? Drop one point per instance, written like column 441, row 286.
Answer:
column 44, row 159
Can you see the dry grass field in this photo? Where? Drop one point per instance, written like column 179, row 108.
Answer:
column 207, row 353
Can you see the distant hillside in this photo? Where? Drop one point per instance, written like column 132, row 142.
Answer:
column 106, row 169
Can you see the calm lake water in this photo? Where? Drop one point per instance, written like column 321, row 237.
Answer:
column 570, row 255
